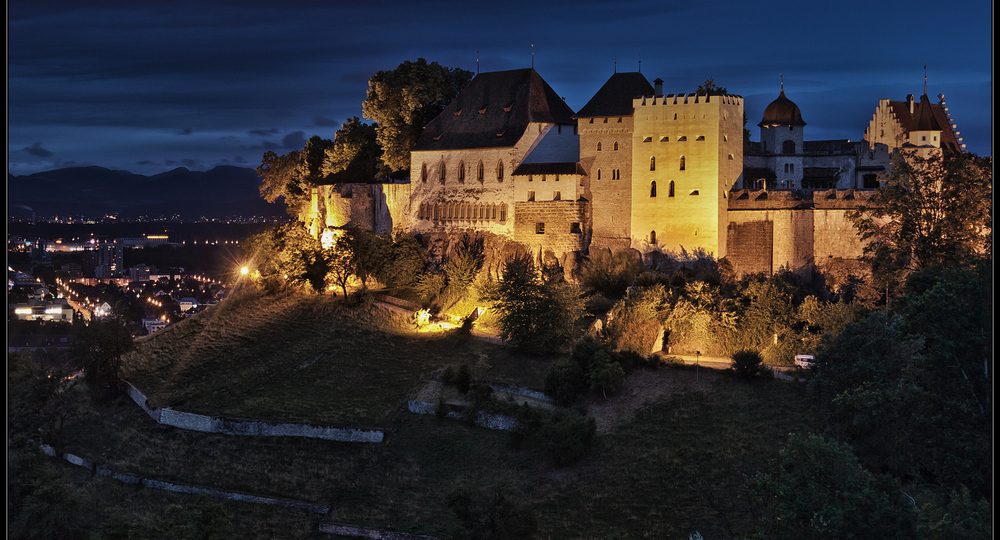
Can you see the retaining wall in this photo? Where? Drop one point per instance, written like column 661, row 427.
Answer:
column 234, row 426
column 354, row 531
column 499, row 422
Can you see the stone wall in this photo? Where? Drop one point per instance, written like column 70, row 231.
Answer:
column 702, row 133
column 557, row 219
column 233, row 426
column 609, row 177
column 365, row 206
column 750, row 246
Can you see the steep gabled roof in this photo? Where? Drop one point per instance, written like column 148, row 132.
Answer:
column 927, row 116
column 494, row 110
column 615, row 97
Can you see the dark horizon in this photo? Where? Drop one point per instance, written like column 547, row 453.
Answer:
column 148, row 89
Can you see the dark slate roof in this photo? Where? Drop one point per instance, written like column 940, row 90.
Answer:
column 927, row 114
column 615, row 97
column 494, row 110
column 525, row 169
column 782, row 112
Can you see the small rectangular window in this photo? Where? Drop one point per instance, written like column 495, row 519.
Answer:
column 647, row 139
column 700, row 138
column 574, row 228
column 694, row 192
column 664, row 139
column 539, row 228
column 531, row 195
column 556, row 196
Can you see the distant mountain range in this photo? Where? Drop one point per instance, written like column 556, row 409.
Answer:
column 95, row 191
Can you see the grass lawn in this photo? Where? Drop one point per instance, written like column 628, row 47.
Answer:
column 306, row 358
column 676, row 467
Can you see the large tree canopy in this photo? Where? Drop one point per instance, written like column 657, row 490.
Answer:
column 355, row 147
column 403, row 100
column 932, row 211
column 290, row 175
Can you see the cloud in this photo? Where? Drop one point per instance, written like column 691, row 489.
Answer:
column 239, row 159
column 185, row 131
column 145, row 162
column 323, row 121
column 264, row 132
column 294, row 140
column 37, row 150
column 188, row 162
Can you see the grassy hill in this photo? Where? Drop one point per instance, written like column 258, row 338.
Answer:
column 296, row 357
column 677, row 466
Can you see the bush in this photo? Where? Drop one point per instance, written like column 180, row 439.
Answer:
column 405, row 264
column 609, row 273
column 636, row 321
column 566, row 381
column 99, row 348
column 747, row 364
column 605, row 374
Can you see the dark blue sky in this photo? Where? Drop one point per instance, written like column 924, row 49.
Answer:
column 149, row 86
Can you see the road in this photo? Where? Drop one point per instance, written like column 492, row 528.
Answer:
column 789, row 374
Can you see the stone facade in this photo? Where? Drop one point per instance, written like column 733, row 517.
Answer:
column 556, row 226
column 687, row 153
column 606, row 155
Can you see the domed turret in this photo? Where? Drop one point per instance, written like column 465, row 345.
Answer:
column 782, row 112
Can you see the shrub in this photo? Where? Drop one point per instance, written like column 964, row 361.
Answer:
column 605, row 373
column 463, row 380
column 448, row 377
column 428, row 286
column 99, row 348
column 566, row 381
column 405, row 264
column 747, row 364
column 635, row 321
column 609, row 273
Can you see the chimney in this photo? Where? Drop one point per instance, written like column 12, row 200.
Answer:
column 909, row 102
column 658, row 87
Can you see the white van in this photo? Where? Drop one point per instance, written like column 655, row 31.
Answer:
column 804, row 361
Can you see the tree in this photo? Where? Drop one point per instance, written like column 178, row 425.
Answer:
column 605, row 373
column 99, row 347
column 355, row 146
column 534, row 316
column 816, row 488
column 291, row 176
column 287, row 255
column 369, row 252
column 403, row 100
column 340, row 263
column 709, row 88
column 609, row 273
column 405, row 263
column 931, row 211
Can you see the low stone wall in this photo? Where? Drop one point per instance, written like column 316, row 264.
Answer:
column 498, row 422
column 244, row 427
column 131, row 479
column 521, row 391
column 353, row 531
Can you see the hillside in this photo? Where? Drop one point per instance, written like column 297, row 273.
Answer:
column 676, row 467
column 94, row 191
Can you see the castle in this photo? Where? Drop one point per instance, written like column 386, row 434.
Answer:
column 635, row 168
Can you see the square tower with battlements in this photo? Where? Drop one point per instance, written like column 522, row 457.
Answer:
column 687, row 153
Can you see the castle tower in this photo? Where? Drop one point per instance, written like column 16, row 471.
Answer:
column 687, row 152
column 917, row 125
column 605, row 128
column 782, row 134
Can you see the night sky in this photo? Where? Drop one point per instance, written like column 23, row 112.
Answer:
column 150, row 86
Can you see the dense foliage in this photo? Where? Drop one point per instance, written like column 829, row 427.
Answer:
column 99, row 347
column 817, row 489
column 534, row 315
column 406, row 98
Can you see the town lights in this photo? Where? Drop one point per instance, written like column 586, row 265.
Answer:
column 244, row 270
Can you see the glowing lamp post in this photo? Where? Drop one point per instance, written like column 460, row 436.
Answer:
column 244, row 270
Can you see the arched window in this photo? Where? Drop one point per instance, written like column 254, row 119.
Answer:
column 652, row 163
column 683, row 163
column 670, row 189
column 442, row 171
column 461, row 172
column 652, row 188
column 788, row 147
column 652, row 238
column 499, row 171
column 503, row 211
column 598, row 146
column 616, row 146
column 598, row 174
column 423, row 172
column 479, row 171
